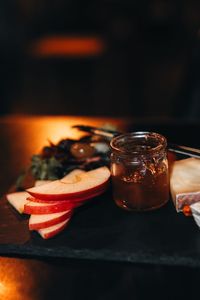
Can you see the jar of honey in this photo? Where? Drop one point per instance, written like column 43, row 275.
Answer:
column 139, row 169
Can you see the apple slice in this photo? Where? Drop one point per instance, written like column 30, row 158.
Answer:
column 72, row 175
column 38, row 208
column 42, row 221
column 51, row 231
column 82, row 198
column 41, row 182
column 69, row 176
column 32, row 199
column 18, row 200
column 82, row 186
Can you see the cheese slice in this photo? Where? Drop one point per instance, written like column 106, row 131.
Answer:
column 185, row 182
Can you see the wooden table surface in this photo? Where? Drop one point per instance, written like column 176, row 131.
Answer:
column 23, row 278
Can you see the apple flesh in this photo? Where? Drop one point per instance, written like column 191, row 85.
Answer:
column 82, row 186
column 69, row 177
column 72, row 175
column 43, row 221
column 41, row 182
column 51, row 231
column 18, row 200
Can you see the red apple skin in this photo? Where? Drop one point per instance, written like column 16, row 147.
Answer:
column 77, row 196
column 53, row 232
column 33, row 199
column 57, row 206
column 48, row 223
column 29, row 208
column 86, row 196
column 86, row 184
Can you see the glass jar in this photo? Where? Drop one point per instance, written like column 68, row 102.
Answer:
column 139, row 170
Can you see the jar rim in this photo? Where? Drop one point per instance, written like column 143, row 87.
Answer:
column 161, row 143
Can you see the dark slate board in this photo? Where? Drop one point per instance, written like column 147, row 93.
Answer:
column 102, row 231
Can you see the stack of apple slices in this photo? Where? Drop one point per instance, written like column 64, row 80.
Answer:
column 51, row 204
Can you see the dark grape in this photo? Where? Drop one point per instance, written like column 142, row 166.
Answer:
column 82, row 150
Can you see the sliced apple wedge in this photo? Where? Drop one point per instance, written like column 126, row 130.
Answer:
column 42, row 221
column 82, row 186
column 38, row 208
column 70, row 176
column 80, row 199
column 33, row 199
column 41, row 182
column 51, row 231
column 18, row 200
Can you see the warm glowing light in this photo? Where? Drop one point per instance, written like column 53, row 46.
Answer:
column 18, row 279
column 11, row 283
column 32, row 133
column 45, row 129
column 2, row 289
column 72, row 46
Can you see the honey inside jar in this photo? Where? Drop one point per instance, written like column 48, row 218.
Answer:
column 139, row 169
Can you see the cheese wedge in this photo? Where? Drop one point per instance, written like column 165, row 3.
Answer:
column 185, row 182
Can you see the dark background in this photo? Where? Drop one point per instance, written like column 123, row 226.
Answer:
column 149, row 66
